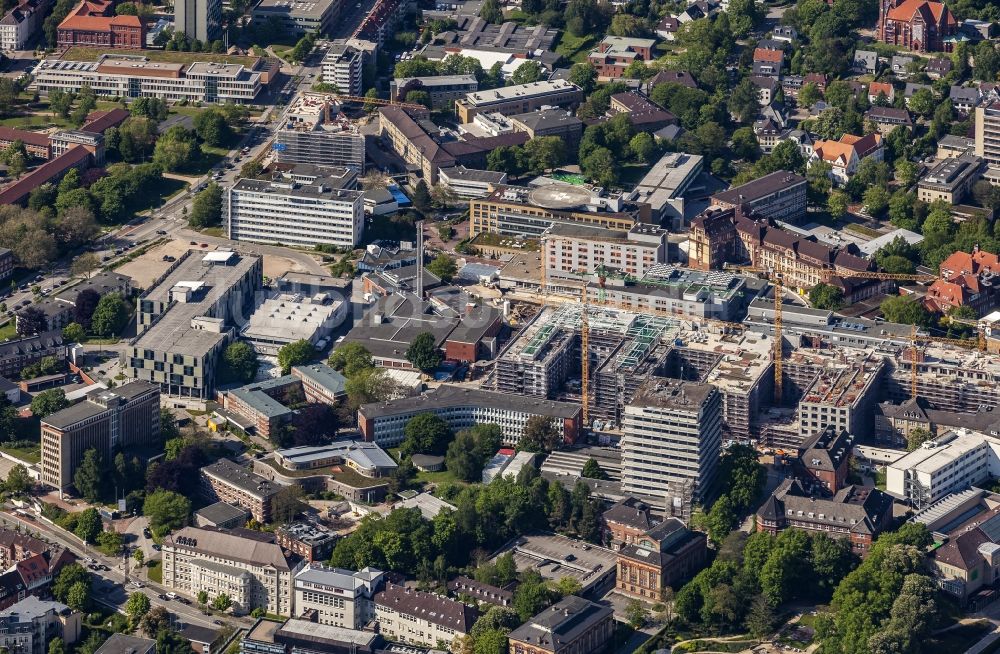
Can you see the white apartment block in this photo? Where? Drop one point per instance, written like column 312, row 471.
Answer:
column 575, row 251
column 948, row 464
column 138, row 77
column 254, row 574
column 340, row 598
column 288, row 213
column 673, row 434
column 343, row 66
column 21, row 23
column 418, row 618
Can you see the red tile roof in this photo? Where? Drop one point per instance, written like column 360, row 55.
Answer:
column 772, row 56
column 26, row 137
column 101, row 121
column 48, row 171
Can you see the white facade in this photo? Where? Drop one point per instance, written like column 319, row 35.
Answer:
column 673, row 434
column 341, row 598
column 293, row 214
column 948, row 464
column 137, row 77
column 342, row 67
column 572, row 250
column 21, row 23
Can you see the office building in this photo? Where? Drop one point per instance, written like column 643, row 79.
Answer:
column 666, row 185
column 843, row 397
column 418, row 618
column 294, row 214
column 780, row 195
column 987, row 139
column 30, row 625
column 444, row 90
column 470, row 184
column 949, row 463
column 549, row 122
column 951, row 180
column 221, row 515
column 856, row 513
column 315, row 132
column 673, row 433
column 129, row 76
column 254, row 573
column 185, row 320
column 338, row 597
column 572, row 625
column 199, row 19
column 21, row 23
column 123, row 418
column 343, row 65
column 523, row 211
column 577, row 251
column 313, row 542
column 299, row 16
column 93, row 23
column 302, row 636
column 519, row 99
column 661, row 557
column 615, row 53
column 226, row 481
column 462, row 408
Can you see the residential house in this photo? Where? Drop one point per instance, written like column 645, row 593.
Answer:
column 643, row 114
column 965, row 98
column 768, row 62
column 681, row 77
column 844, row 156
column 900, row 66
column 784, row 33
column 889, row 118
column 767, row 88
column 881, row 93
column 865, row 62
column 938, row 67
column 668, row 27
column 967, row 279
column 912, row 88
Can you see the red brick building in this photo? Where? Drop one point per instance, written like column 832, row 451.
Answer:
column 662, row 557
column 614, row 54
column 94, row 23
column 918, row 25
column 826, row 457
column 625, row 522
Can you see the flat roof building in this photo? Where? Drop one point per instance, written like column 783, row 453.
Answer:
column 221, row 515
column 951, row 180
column 299, row 16
column 316, row 132
column 666, row 184
column 287, row 318
column 444, row 90
column 225, row 481
column 518, row 99
column 949, row 463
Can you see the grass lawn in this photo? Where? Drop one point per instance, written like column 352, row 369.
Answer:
column 443, row 477
column 213, row 231
column 9, row 330
column 29, row 454
column 36, row 121
column 93, row 54
column 155, row 571
column 576, row 48
column 960, row 638
column 861, row 229
column 632, row 173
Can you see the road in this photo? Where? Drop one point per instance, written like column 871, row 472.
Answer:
column 109, row 586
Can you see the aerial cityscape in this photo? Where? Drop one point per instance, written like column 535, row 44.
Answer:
column 499, row 326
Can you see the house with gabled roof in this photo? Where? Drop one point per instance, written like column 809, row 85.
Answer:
column 844, row 156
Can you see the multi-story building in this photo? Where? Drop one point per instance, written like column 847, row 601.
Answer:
column 130, row 77
column 294, row 214
column 987, row 143
column 315, row 132
column 21, row 23
column 126, row 644
column 843, row 398
column 726, row 236
column 363, row 457
column 94, row 23
column 857, row 513
column 967, row 279
column 918, row 25
column 780, row 195
column 299, row 16
column 826, row 457
column 30, row 625
column 199, row 19
column 518, row 99
column 470, row 184
column 662, row 557
column 614, row 54
column 625, row 522
column 844, row 156
column 576, row 251
column 109, row 421
column 947, row 464
column 520, row 211
column 549, row 122
column 673, row 433
column 411, row 616
column 572, row 625
column 254, row 573
column 302, row 636
column 64, row 141
column 951, row 180
column 312, row 542
column 887, row 119
column 342, row 66
column 185, row 319
column 18, row 354
column 225, row 481
column 341, row 598
column 444, row 90
column 665, row 187
column 461, row 408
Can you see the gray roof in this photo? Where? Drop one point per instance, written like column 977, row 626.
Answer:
column 547, row 119
column 363, row 453
column 228, row 546
column 672, row 394
column 760, row 188
column 473, row 175
column 561, row 623
column 235, row 475
column 325, row 635
column 89, row 408
column 428, row 606
column 222, row 512
column 452, row 396
column 323, row 375
column 30, row 344
column 31, row 608
column 101, row 283
column 256, row 397
column 126, row 644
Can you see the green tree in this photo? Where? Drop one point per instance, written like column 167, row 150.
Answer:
column 425, row 433
column 138, row 556
column 176, row 149
column 760, row 618
column 18, row 480
column 74, row 333
column 916, row 438
column 57, row 646
column 138, row 605
column 876, row 200
column 443, row 267
column 110, row 317
column 584, row 75
column 528, row 72
column 202, row 597
column 540, row 435
column 48, row 402
column 239, row 362
column 297, row 353
column 78, row 596
column 368, row 385
column 421, row 197
column 745, row 145
column 423, row 352
column 70, row 575
column 490, row 12
column 808, row 95
column 212, row 128
column 89, row 477
column 825, row 296
column 636, row 613
column 166, row 511
column 89, row 525
column 905, row 310
column 206, row 210
column 110, row 543
column 351, row 358
column 592, row 470
column 221, row 602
